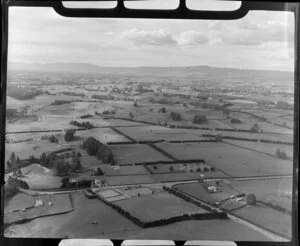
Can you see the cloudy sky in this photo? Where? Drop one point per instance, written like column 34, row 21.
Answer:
column 261, row 40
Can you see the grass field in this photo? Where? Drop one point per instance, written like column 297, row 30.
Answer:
column 90, row 161
column 104, row 135
column 44, row 124
column 267, row 218
column 19, row 201
column 129, row 154
column 198, row 191
column 38, row 177
column 24, row 149
column 230, row 159
column 124, row 170
column 273, row 190
column 144, row 133
column 61, row 203
column 158, row 206
column 133, row 192
column 268, row 148
column 78, row 223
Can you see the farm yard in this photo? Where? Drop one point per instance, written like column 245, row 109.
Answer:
column 198, row 190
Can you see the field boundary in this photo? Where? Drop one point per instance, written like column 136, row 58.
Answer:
column 123, row 134
column 242, row 147
column 249, row 139
column 162, row 152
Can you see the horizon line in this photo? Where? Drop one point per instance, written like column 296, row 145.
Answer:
column 151, row 66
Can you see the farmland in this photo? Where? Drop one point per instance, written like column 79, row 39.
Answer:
column 106, row 140
column 130, row 154
column 158, row 206
column 219, row 155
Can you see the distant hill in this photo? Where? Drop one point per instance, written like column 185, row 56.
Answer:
column 191, row 71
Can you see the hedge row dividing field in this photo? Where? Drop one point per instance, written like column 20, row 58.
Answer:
column 249, row 139
column 121, row 133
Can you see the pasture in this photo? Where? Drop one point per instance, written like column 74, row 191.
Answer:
column 268, row 148
column 123, row 170
column 270, row 190
column 39, row 177
column 232, row 160
column 60, row 203
column 135, row 153
column 104, row 135
column 152, row 133
column 158, row 206
column 268, row 218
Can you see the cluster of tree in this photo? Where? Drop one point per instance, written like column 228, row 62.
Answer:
column 96, row 148
column 199, row 119
column 103, row 97
column 13, row 162
column 69, row 135
column 12, row 114
column 85, row 125
column 60, row 102
column 86, row 116
column 61, row 166
column 254, row 128
column 283, row 105
column 162, row 101
column 281, row 154
column 235, row 121
column 65, row 183
column 11, row 188
column 131, row 115
column 23, row 93
column 175, row 116
column 107, row 112
column 135, row 104
column 51, row 139
column 70, row 93
column 162, row 110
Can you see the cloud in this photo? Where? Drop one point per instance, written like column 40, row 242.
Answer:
column 192, row 38
column 142, row 37
column 252, row 31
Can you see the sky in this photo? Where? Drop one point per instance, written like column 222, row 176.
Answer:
column 261, row 40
